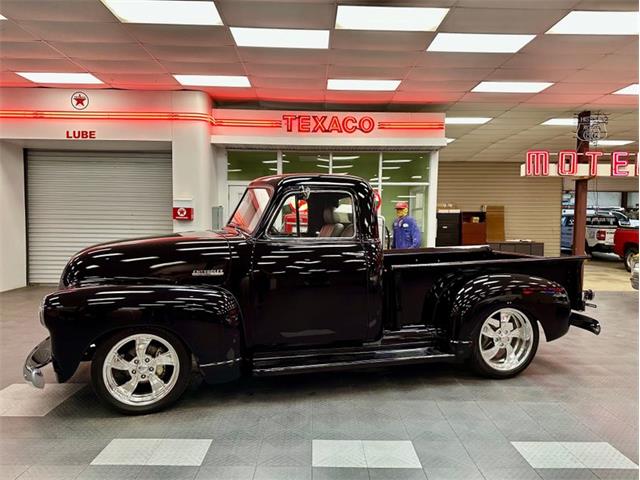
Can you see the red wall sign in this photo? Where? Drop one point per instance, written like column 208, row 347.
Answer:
column 183, row 213
column 538, row 164
column 80, row 134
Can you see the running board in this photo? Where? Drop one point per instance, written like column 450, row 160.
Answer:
column 345, row 360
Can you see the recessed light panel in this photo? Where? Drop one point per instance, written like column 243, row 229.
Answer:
column 165, row 12
column 466, row 120
column 511, row 87
column 280, row 37
column 561, row 122
column 597, row 23
column 213, row 80
column 61, row 77
column 356, row 84
column 2, row 17
column 611, row 143
column 633, row 89
column 478, row 42
column 450, row 140
column 405, row 19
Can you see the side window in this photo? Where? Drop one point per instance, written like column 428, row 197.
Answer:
column 320, row 215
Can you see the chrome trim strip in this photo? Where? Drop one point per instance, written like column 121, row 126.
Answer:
column 218, row 364
column 39, row 357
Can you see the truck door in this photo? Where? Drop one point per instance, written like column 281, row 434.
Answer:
column 309, row 274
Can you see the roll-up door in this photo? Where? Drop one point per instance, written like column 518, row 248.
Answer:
column 78, row 199
column 532, row 206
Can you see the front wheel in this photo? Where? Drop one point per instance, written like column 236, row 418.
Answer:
column 504, row 343
column 140, row 371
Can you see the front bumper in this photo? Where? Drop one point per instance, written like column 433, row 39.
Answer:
column 584, row 322
column 38, row 358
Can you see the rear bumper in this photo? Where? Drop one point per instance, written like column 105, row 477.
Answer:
column 36, row 360
column 584, row 322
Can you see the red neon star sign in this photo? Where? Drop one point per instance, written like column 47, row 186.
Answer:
column 79, row 100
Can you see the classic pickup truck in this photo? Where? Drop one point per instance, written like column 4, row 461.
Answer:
column 278, row 292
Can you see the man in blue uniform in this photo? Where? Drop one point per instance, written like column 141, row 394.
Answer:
column 406, row 233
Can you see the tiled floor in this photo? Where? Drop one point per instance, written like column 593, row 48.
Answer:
column 572, row 415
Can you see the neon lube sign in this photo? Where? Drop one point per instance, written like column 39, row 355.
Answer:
column 328, row 123
column 571, row 164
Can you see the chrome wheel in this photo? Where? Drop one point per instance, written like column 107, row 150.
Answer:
column 506, row 339
column 141, row 369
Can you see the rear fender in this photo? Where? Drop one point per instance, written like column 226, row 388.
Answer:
column 546, row 301
column 207, row 320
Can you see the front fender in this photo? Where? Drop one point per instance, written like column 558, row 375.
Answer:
column 547, row 301
column 207, row 320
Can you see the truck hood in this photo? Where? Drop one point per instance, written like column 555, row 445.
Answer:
column 186, row 257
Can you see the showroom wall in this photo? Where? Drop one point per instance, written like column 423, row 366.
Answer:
column 532, row 205
column 13, row 257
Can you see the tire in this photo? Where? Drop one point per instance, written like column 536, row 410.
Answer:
column 587, row 249
column 628, row 255
column 158, row 360
column 524, row 347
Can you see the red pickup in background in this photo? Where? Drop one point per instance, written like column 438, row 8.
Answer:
column 625, row 244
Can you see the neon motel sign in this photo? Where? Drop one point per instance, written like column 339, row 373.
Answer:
column 538, row 164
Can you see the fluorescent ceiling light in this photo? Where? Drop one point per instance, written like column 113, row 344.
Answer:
column 280, row 37
column 2, row 17
column 561, row 122
column 449, row 140
column 416, row 177
column 322, row 166
column 511, row 87
column 597, row 23
column 323, row 159
column 59, row 77
column 343, row 166
column 397, row 161
column 164, row 12
column 478, row 42
column 611, row 143
column 407, row 19
column 341, row 157
column 369, row 85
column 234, row 170
column 467, row 120
column 632, row 89
column 213, row 80
column 391, row 168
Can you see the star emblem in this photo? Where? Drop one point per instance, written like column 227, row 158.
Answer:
column 79, row 100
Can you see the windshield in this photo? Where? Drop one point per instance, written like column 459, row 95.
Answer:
column 250, row 209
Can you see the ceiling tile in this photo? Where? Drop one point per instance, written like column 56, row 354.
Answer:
column 600, row 73
column 291, row 56
column 338, row 96
column 196, row 68
column 461, row 60
column 297, row 71
column 290, row 95
column 195, row 35
column 122, row 66
column 229, row 94
column 381, row 41
column 585, row 88
column 318, row 84
column 182, row 53
column 282, row 14
column 427, row 97
column 10, row 79
column 28, row 50
column 528, row 74
column 504, row 20
column 40, row 65
column 10, row 32
column 128, row 80
column 78, row 31
column 449, row 74
column 57, row 11
column 378, row 73
column 520, row 4
column 372, row 59
column 562, row 99
column 578, row 44
column 627, row 5
column 426, row 86
column 614, row 63
column 546, row 61
column 102, row 51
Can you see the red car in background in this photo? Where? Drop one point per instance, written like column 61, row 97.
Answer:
column 625, row 244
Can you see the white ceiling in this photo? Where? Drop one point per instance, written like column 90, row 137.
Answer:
column 83, row 36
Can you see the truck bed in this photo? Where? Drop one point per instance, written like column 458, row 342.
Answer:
column 413, row 279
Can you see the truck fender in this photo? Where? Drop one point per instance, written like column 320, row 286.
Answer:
column 546, row 301
column 207, row 319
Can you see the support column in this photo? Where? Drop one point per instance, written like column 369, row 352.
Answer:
column 192, row 157
column 432, row 200
column 582, row 189
column 13, row 229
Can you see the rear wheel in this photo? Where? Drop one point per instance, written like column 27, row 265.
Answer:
column 628, row 256
column 140, row 371
column 505, row 342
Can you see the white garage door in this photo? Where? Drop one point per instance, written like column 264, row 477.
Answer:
column 78, row 199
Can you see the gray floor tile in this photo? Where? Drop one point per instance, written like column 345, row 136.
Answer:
column 518, row 473
column 11, row 472
column 390, row 454
column 338, row 453
column 616, row 474
column 167, row 473
column 566, row 474
column 110, row 472
column 22, row 400
column 329, row 473
column 51, row 472
column 225, row 473
column 453, row 473
column 547, row 455
column 397, row 474
column 598, row 455
column 442, row 454
column 283, row 473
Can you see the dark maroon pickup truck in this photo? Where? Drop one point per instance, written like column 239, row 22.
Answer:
column 296, row 282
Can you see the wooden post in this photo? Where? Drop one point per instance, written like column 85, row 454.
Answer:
column 582, row 187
